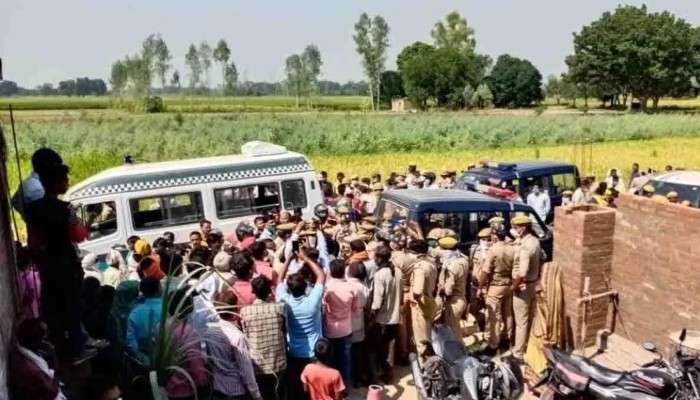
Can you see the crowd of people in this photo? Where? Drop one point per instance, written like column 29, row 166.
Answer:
column 281, row 308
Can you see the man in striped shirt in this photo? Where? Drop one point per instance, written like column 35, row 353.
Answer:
column 263, row 325
column 229, row 359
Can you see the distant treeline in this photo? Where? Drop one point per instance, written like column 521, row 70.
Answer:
column 70, row 87
column 97, row 87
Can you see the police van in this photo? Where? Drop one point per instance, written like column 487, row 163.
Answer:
column 151, row 198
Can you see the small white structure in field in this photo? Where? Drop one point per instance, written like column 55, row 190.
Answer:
column 401, row 104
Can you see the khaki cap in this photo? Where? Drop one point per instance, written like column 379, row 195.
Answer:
column 485, row 233
column 448, row 243
column 520, row 220
column 672, row 195
column 649, row 189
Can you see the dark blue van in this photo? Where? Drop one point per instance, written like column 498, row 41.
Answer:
column 554, row 176
column 465, row 212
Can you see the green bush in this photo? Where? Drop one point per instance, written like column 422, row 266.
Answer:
column 153, row 104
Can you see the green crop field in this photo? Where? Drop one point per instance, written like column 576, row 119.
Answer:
column 190, row 104
column 93, row 142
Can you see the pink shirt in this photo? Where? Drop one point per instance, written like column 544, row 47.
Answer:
column 339, row 301
column 243, row 291
column 265, row 269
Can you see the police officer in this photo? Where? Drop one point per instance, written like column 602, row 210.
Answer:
column 452, row 283
column 477, row 255
column 403, row 260
column 526, row 272
column 346, row 226
column 421, row 297
column 496, row 275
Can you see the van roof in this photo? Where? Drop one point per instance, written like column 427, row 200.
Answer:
column 521, row 169
column 451, row 200
column 147, row 176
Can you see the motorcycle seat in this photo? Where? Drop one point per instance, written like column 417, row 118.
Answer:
column 598, row 373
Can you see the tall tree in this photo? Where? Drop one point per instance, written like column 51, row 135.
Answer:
column 454, row 33
column 230, row 79
column 630, row 50
column 311, row 67
column 205, row 58
column 139, row 74
column 295, row 75
column 372, row 40
column 162, row 60
column 222, row 53
column 195, row 66
column 515, row 82
column 302, row 73
column 119, row 77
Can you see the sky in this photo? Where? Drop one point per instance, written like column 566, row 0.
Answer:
column 49, row 40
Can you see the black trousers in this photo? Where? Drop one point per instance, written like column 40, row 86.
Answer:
column 61, row 311
column 295, row 389
column 272, row 387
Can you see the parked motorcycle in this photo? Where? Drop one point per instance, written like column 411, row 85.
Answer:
column 454, row 374
column 571, row 376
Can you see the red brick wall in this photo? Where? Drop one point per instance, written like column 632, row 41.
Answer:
column 583, row 248
column 656, row 267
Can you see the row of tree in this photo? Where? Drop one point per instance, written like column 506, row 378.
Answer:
column 70, row 87
column 631, row 52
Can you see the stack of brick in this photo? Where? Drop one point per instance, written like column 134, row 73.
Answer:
column 656, row 267
column 583, row 247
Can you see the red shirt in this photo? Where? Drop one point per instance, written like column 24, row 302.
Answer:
column 243, row 291
column 322, row 382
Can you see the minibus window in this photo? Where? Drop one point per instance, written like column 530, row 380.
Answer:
column 241, row 201
column 294, row 194
column 99, row 218
column 168, row 210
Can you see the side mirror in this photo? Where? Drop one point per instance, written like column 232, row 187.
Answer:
column 681, row 338
column 649, row 346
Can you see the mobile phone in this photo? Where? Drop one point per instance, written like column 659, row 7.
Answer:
column 295, row 246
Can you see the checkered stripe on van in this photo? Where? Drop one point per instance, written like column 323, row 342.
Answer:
column 149, row 184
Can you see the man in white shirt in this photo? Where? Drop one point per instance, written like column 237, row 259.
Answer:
column 540, row 202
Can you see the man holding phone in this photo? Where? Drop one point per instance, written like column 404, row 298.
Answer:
column 303, row 313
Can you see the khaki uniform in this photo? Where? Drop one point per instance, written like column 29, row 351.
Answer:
column 423, row 285
column 528, row 260
column 453, row 283
column 477, row 255
column 344, row 230
column 404, row 261
column 277, row 263
column 498, row 269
